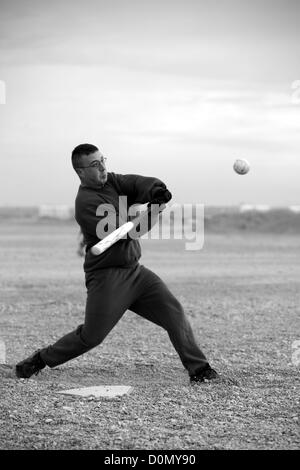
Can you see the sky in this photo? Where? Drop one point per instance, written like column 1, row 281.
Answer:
column 172, row 89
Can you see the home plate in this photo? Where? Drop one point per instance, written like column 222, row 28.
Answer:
column 109, row 391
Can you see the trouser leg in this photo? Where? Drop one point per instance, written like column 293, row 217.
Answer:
column 108, row 297
column 157, row 304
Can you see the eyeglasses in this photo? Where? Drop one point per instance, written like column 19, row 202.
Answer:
column 95, row 164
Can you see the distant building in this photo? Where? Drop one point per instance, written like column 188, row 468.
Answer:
column 295, row 209
column 55, row 211
column 253, row 207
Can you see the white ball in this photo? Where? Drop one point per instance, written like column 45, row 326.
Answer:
column 241, row 166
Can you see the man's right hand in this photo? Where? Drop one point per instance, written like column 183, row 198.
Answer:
column 162, row 195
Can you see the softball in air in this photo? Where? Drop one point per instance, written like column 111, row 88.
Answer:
column 241, row 167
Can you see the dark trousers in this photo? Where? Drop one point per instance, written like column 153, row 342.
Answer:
column 110, row 292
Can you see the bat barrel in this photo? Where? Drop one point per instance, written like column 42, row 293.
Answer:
column 96, row 250
column 111, row 239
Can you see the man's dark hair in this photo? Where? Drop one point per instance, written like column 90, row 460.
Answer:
column 79, row 151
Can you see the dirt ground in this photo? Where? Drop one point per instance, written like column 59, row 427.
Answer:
column 242, row 296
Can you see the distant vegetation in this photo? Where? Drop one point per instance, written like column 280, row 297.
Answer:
column 15, row 212
column 217, row 219
column 272, row 221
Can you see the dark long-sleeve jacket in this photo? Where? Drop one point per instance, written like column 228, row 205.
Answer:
column 139, row 190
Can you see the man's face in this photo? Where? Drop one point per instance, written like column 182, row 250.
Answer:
column 94, row 173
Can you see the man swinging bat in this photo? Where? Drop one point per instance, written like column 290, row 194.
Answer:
column 115, row 280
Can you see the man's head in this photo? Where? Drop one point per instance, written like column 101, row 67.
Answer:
column 89, row 164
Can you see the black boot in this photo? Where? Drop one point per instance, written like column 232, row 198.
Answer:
column 204, row 374
column 32, row 365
